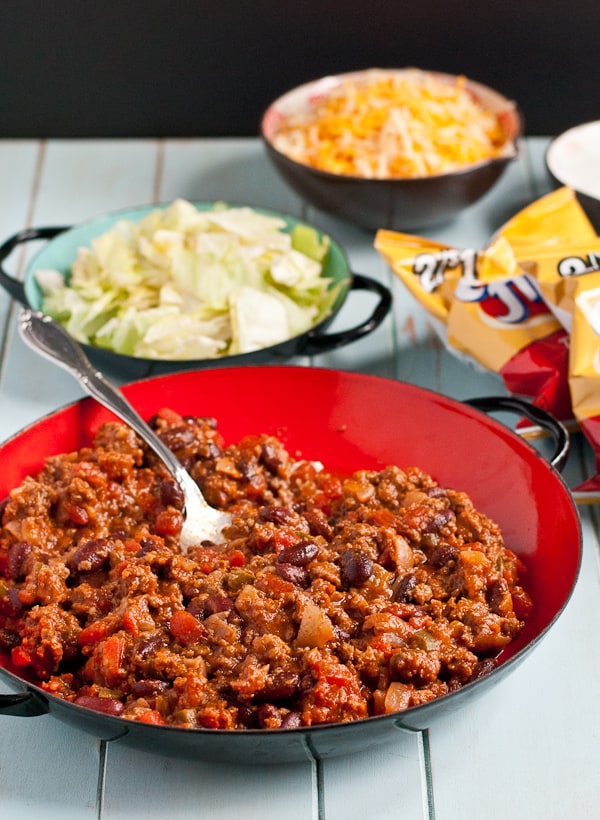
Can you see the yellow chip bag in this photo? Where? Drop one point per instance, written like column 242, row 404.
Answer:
column 490, row 310
column 554, row 241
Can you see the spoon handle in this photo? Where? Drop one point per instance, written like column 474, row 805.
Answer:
column 48, row 338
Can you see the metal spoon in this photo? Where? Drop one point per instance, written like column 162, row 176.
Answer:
column 202, row 522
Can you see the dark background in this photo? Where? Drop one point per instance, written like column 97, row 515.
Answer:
column 87, row 68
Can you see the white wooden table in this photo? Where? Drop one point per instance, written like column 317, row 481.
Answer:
column 528, row 749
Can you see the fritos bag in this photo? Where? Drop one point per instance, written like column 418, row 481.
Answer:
column 557, row 244
column 491, row 310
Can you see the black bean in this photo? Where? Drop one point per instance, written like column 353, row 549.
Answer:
column 299, row 554
column 17, row 554
column 292, row 573
column 357, row 567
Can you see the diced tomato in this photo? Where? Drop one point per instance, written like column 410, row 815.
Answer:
column 168, row 522
column 382, row 518
column 94, row 633
column 151, row 716
column 386, row 643
column 236, row 558
column 76, row 513
column 275, row 584
column 206, row 558
column 20, row 656
column 186, row 628
column 522, row 603
column 283, row 538
column 113, row 651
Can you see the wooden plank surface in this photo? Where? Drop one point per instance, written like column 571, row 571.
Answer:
column 528, row 749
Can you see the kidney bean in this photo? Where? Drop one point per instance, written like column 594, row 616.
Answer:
column 17, row 554
column 11, row 603
column 108, row 706
column 483, row 668
column 443, row 555
column 439, row 520
column 177, row 438
column 247, row 716
column 148, row 688
column 148, row 646
column 357, row 567
column 9, row 638
column 436, row 492
column 281, row 687
column 497, row 596
column 265, row 712
column 275, row 515
column 91, row 556
column 270, row 457
column 217, row 603
column 318, row 524
column 171, row 493
column 299, row 554
column 295, row 575
column 149, row 545
column 293, row 720
column 402, row 587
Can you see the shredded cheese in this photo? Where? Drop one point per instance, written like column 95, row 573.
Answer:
column 411, row 124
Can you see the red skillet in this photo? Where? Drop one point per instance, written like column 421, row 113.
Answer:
column 348, row 421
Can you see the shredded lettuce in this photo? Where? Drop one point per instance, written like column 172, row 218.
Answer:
column 184, row 283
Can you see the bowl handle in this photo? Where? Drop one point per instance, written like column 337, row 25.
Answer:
column 556, row 429
column 11, row 285
column 25, row 704
column 316, row 342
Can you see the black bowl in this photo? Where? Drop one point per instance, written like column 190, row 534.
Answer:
column 395, row 204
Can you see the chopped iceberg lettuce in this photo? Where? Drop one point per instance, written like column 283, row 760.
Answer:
column 184, row 283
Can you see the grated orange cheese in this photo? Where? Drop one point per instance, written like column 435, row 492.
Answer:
column 394, row 125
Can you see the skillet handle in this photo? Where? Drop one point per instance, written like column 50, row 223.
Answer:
column 11, row 285
column 25, row 704
column 316, row 342
column 557, row 431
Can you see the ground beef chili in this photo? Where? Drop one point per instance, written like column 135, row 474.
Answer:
column 333, row 598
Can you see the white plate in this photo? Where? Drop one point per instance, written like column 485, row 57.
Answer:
column 573, row 158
